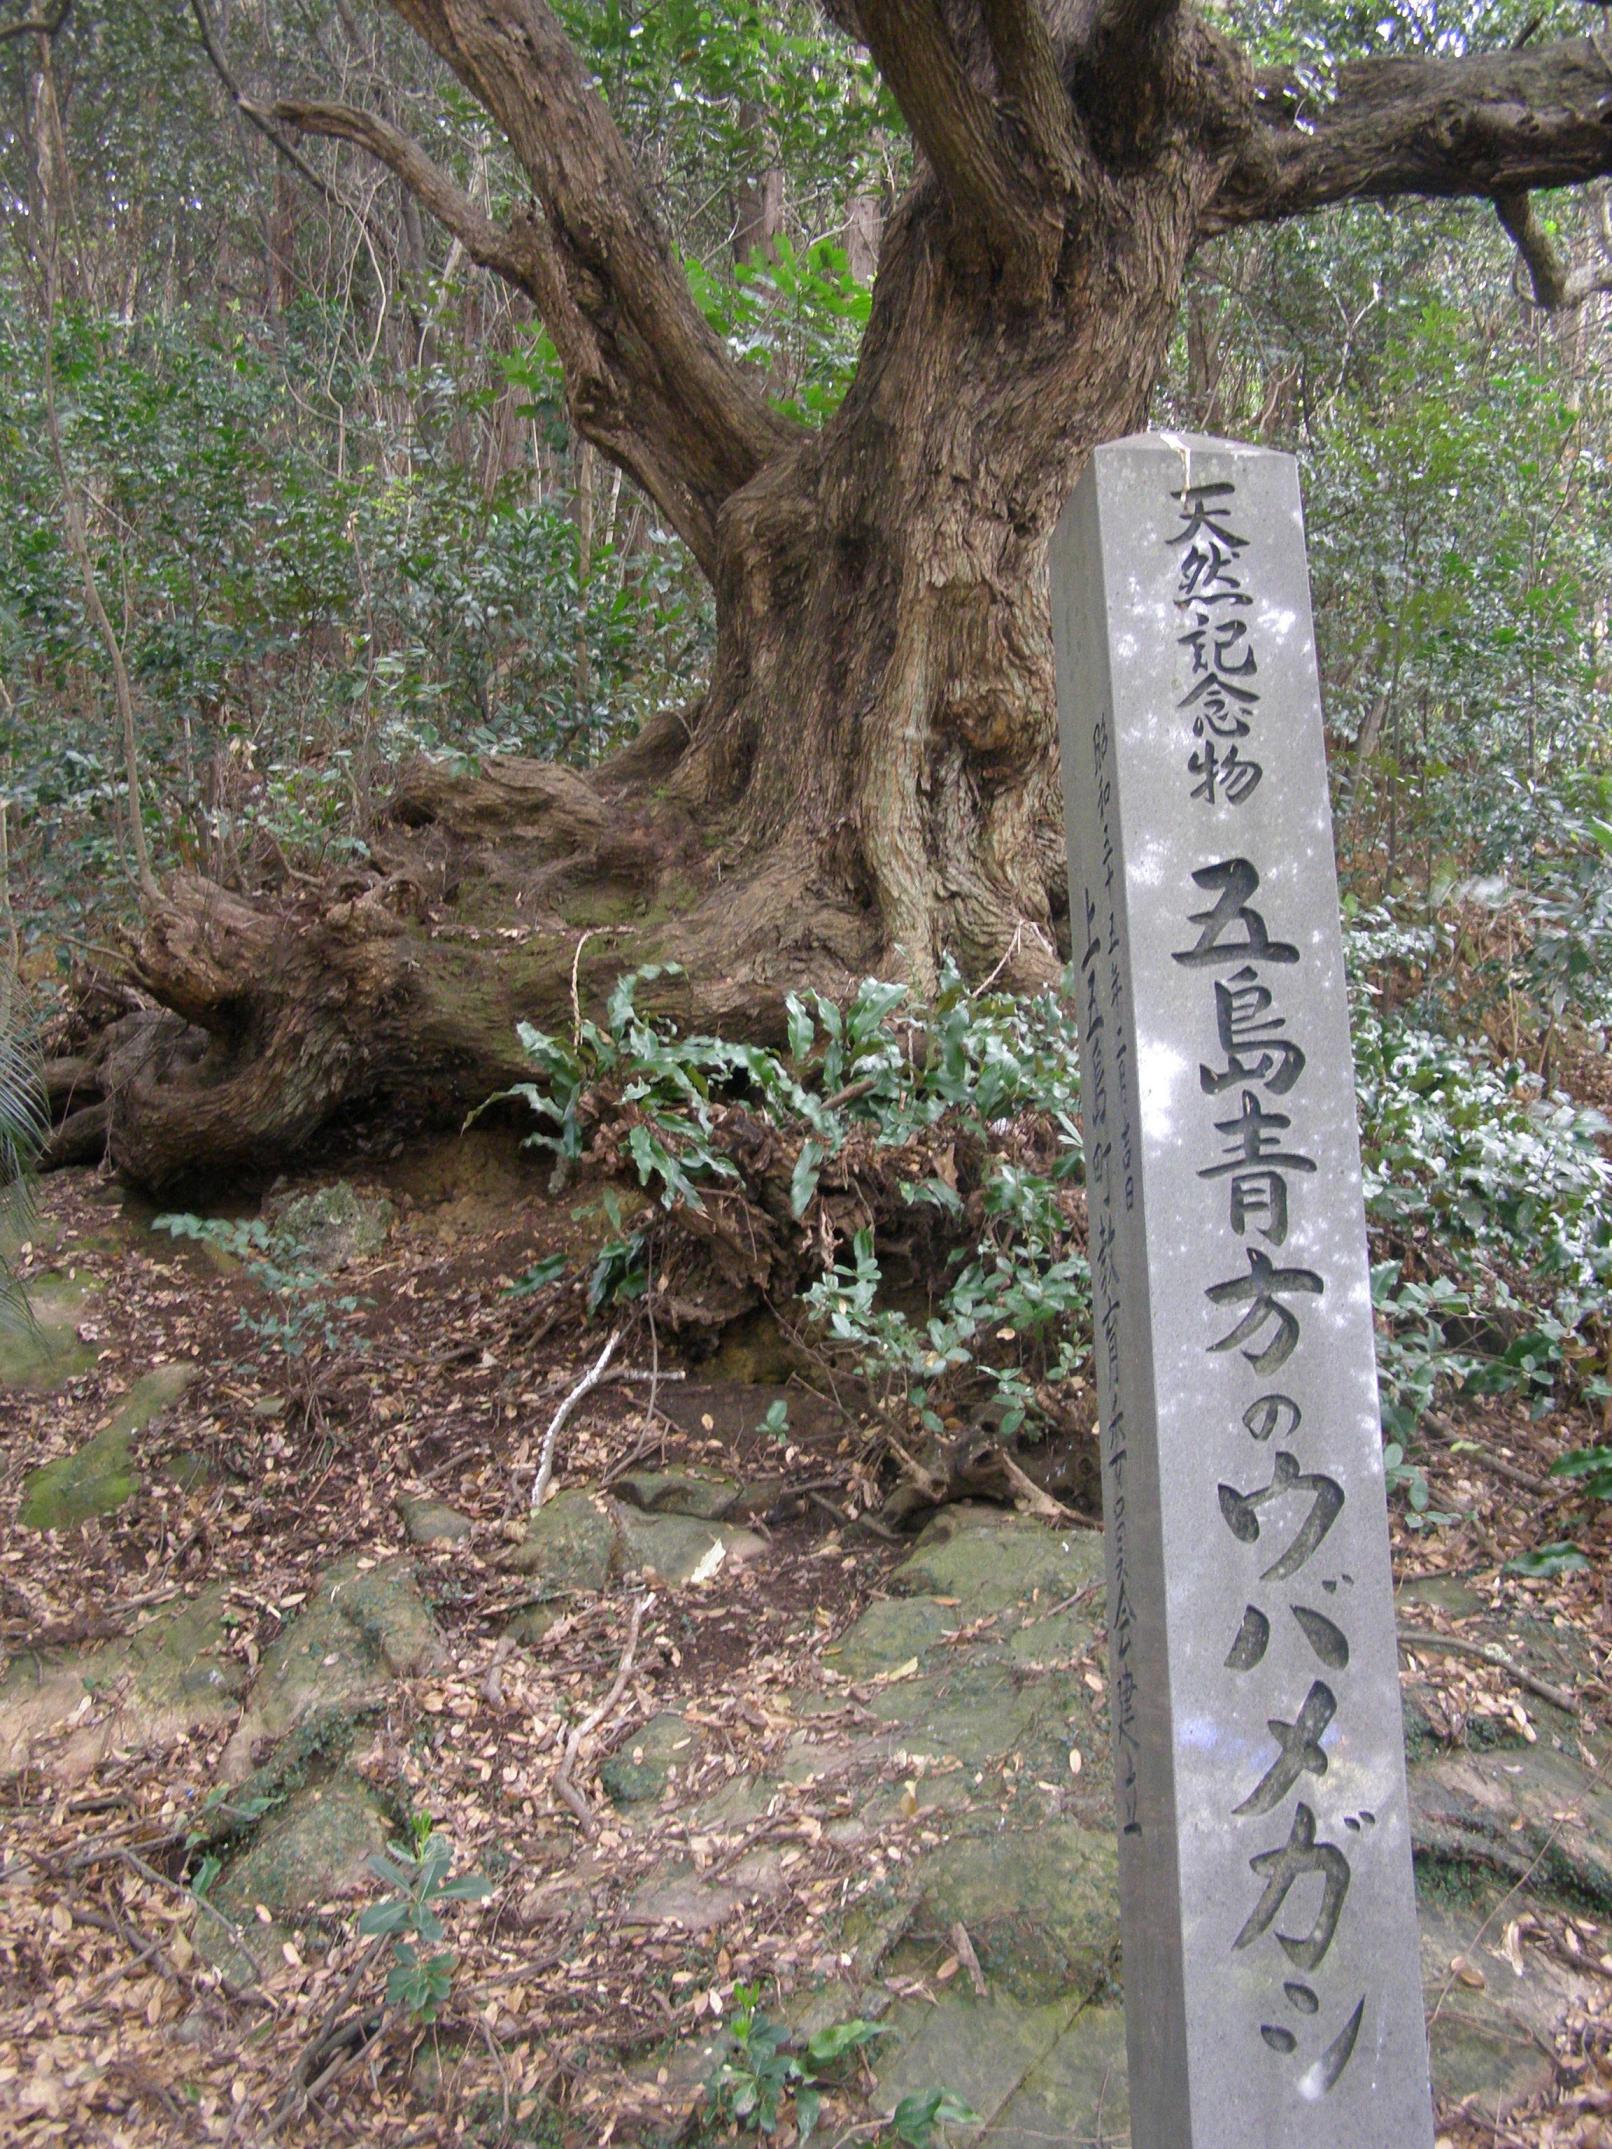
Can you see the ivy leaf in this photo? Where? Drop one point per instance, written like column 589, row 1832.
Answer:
column 1548, row 1560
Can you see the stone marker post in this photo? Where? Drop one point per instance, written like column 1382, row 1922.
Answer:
column 1272, row 1993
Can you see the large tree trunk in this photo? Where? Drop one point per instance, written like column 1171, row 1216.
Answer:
column 881, row 704
column 869, row 783
column 868, row 786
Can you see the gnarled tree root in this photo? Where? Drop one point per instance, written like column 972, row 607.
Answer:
column 520, row 894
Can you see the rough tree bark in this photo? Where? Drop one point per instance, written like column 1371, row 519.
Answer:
column 870, row 781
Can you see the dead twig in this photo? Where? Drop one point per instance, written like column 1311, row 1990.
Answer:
column 853, row 1522
column 589, row 1381
column 331, row 2029
column 596, row 1376
column 1489, row 1653
column 1485, row 1459
column 1036, row 1497
column 564, row 1776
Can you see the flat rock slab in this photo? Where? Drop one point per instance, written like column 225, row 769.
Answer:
column 983, row 2049
column 101, row 1477
column 1493, row 2015
column 174, row 1678
column 988, row 1559
column 1532, row 1811
column 698, row 1904
column 365, row 1626
column 1077, row 2092
column 701, row 1493
column 962, row 1703
column 1039, row 1905
column 580, row 1541
column 49, row 1354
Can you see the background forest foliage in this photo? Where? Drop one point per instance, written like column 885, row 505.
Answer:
column 337, row 518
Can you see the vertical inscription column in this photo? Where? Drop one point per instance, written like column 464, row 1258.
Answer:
column 1273, row 1999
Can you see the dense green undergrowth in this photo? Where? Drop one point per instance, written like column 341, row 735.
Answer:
column 924, row 1164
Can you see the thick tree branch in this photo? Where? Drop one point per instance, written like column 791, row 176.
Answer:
column 1027, row 68
column 649, row 382
column 482, row 239
column 951, row 116
column 1489, row 124
column 521, row 254
column 45, row 25
column 256, row 116
column 1010, row 209
column 1557, row 285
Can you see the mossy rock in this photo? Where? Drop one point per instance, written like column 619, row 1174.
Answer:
column 1492, row 2028
column 989, row 1559
column 700, row 1493
column 315, row 1848
column 96, row 1479
column 100, row 1477
column 1529, row 1809
column 641, row 1769
column 893, row 1632
column 573, row 1542
column 176, row 1676
column 678, row 1549
column 1446, row 1593
column 46, row 1353
column 973, row 1710
column 1040, row 1905
column 580, row 1541
column 533, row 1623
column 1078, row 2092
column 981, row 2049
column 432, row 1522
column 364, row 1627
column 335, row 1225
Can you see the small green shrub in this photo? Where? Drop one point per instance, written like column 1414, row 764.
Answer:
column 916, row 2117
column 417, row 1875
column 958, row 1116
column 752, row 2084
column 932, row 1164
column 1592, row 1467
column 1490, row 1202
column 305, row 1325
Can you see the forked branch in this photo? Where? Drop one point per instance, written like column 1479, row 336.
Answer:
column 1557, row 285
column 45, row 25
column 1007, row 204
column 649, row 381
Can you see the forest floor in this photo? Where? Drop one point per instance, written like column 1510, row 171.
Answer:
column 701, row 1725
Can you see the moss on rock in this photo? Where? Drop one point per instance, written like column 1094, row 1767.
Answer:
column 365, row 1626
column 100, row 1477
